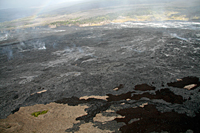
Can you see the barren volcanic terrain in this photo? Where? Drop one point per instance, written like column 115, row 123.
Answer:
column 116, row 67
column 125, row 75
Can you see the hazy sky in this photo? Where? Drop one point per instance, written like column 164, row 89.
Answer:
column 30, row 3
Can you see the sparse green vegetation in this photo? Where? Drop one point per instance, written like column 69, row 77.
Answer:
column 142, row 13
column 46, row 15
column 36, row 114
column 74, row 21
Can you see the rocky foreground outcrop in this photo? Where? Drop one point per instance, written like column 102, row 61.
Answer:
column 127, row 112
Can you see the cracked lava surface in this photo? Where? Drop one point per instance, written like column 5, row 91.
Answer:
column 101, row 79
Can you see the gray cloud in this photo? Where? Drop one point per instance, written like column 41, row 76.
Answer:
column 30, row 3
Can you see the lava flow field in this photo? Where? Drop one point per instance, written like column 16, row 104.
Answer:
column 142, row 77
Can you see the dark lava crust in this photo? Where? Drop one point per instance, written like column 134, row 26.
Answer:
column 146, row 65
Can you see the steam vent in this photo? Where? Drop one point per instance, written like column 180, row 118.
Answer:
column 106, row 66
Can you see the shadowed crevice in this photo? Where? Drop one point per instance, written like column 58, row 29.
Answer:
column 144, row 87
column 186, row 81
column 96, row 106
column 164, row 94
column 93, row 110
column 149, row 119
